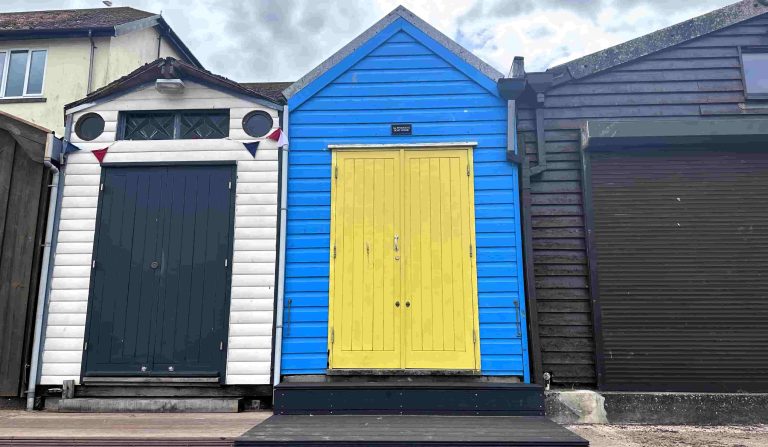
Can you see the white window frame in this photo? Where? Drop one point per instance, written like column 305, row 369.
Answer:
column 5, row 66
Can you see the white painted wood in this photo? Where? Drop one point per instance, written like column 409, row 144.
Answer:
column 253, row 260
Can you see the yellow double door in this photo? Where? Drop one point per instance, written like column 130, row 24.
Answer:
column 403, row 279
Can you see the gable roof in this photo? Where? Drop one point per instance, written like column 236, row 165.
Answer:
column 398, row 13
column 168, row 68
column 659, row 40
column 88, row 22
column 273, row 90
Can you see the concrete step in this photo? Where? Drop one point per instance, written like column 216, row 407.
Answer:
column 144, row 405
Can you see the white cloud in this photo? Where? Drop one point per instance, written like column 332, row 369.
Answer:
column 274, row 40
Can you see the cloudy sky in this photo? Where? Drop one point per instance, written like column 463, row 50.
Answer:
column 280, row 40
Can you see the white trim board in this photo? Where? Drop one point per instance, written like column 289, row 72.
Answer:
column 467, row 144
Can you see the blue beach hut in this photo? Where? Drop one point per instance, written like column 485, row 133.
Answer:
column 403, row 237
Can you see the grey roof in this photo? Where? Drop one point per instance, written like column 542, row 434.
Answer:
column 413, row 19
column 272, row 90
column 662, row 39
column 70, row 19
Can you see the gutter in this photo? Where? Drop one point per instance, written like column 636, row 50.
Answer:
column 46, row 270
column 90, row 62
column 278, row 350
column 511, row 89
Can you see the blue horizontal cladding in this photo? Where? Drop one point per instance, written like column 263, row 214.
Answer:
column 463, row 114
column 399, row 102
column 317, row 144
column 401, row 76
column 384, row 129
column 460, row 87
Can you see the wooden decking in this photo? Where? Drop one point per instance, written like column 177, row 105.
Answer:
column 517, row 431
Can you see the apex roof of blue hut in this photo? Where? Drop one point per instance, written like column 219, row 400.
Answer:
column 400, row 19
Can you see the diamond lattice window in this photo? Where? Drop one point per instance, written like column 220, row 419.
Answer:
column 175, row 125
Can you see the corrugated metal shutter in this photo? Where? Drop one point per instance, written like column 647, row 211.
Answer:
column 682, row 258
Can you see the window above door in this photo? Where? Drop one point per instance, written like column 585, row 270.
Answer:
column 755, row 69
column 174, row 124
column 22, row 72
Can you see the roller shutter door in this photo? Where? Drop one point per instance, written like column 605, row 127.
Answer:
column 681, row 239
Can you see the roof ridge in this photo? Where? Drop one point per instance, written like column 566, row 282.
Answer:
column 399, row 12
column 662, row 39
column 76, row 9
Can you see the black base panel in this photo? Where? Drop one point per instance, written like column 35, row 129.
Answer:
column 476, row 399
column 501, row 431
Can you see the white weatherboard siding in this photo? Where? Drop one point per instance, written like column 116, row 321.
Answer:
column 253, row 263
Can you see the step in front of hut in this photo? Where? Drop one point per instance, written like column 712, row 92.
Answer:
column 409, row 398
column 412, row 430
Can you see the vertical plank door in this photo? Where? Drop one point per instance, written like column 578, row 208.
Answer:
column 125, row 286
column 159, row 301
column 440, row 316
column 365, row 302
column 193, row 312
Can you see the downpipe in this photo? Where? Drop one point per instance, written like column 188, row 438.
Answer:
column 281, row 256
column 46, row 272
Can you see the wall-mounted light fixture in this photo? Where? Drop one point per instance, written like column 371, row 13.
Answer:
column 170, row 86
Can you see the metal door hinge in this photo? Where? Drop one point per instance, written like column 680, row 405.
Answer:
column 230, row 185
column 101, row 187
column 226, row 262
column 93, row 264
column 85, row 346
column 333, row 336
column 467, row 170
column 474, row 337
column 470, row 250
column 336, row 171
column 334, row 251
column 221, row 345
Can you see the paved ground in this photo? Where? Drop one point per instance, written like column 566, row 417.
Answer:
column 134, row 425
column 22, row 424
column 672, row 435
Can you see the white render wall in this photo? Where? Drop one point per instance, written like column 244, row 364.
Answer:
column 253, row 263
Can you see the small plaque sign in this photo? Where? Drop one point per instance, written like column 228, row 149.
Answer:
column 402, row 129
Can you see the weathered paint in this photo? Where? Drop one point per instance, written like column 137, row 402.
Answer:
column 401, row 75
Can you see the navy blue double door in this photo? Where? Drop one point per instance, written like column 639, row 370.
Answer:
column 160, row 283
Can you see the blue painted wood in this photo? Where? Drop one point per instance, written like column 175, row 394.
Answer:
column 402, row 75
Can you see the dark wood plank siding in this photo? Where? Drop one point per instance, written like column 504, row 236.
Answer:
column 23, row 197
column 701, row 78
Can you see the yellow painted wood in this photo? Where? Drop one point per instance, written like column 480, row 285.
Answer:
column 424, row 198
column 364, row 330
column 439, row 270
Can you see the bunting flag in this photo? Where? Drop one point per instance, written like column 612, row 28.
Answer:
column 69, row 147
column 100, row 153
column 252, row 146
column 279, row 136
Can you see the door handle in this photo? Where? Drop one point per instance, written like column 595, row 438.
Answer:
column 154, row 264
column 397, row 243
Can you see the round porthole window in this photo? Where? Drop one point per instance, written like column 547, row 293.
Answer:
column 89, row 126
column 257, row 123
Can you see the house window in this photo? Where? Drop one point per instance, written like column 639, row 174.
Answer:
column 22, row 72
column 755, row 63
column 175, row 125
